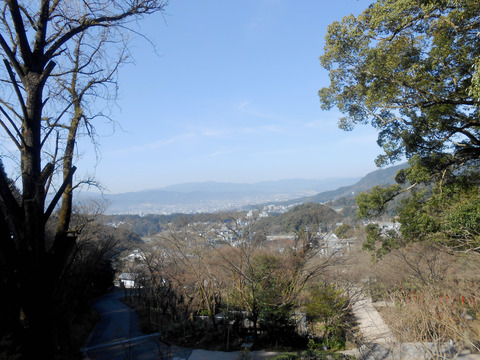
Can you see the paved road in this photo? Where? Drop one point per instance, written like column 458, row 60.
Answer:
column 117, row 336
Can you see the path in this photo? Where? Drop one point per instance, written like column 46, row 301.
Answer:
column 221, row 355
column 118, row 336
column 371, row 324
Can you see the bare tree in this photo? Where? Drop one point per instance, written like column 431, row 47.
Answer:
column 265, row 276
column 58, row 56
column 190, row 251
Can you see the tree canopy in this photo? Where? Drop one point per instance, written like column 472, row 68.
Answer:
column 410, row 69
column 302, row 217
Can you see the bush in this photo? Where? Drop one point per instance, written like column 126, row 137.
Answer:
column 277, row 322
column 330, row 307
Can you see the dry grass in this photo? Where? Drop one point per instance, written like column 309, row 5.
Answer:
column 432, row 296
column 434, row 316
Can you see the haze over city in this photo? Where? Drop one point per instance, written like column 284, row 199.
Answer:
column 227, row 91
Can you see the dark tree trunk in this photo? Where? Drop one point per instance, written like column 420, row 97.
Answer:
column 30, row 273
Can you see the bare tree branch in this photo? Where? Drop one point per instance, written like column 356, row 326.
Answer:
column 59, row 193
column 7, row 130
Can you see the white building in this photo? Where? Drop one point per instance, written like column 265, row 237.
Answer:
column 127, row 279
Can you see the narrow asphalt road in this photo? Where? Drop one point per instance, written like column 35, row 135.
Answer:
column 118, row 336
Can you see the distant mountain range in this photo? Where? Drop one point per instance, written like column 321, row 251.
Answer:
column 283, row 186
column 218, row 196
column 378, row 177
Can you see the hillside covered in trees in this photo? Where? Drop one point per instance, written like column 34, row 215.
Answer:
column 313, row 217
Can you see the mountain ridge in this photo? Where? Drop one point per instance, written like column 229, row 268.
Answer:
column 212, row 196
column 268, row 186
column 377, row 177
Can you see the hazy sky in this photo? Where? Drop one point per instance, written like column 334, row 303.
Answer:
column 230, row 95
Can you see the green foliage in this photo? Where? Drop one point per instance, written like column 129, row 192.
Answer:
column 446, row 213
column 267, row 292
column 148, row 225
column 463, row 217
column 335, row 343
column 380, row 203
column 278, row 322
column 449, row 217
column 343, row 231
column 374, row 203
column 269, row 286
column 193, row 334
column 299, row 218
column 380, row 240
column 325, row 303
column 328, row 305
column 409, row 69
column 475, row 88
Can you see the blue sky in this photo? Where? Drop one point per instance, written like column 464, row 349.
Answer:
column 229, row 93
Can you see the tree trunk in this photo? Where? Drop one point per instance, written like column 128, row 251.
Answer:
column 38, row 273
